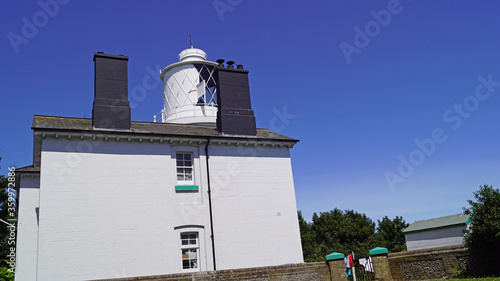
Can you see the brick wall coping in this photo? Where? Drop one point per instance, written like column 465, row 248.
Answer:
column 433, row 251
column 213, row 274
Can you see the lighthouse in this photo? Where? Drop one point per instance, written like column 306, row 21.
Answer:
column 202, row 190
column 189, row 89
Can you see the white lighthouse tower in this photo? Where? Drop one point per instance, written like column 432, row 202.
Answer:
column 189, row 90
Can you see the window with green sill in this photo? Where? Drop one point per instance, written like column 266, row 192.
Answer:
column 185, row 181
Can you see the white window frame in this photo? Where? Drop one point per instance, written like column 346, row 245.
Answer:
column 192, row 247
column 177, row 167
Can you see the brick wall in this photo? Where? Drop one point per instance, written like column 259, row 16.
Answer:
column 381, row 267
column 318, row 271
column 434, row 263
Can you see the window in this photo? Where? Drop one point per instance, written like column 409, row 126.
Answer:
column 189, row 248
column 185, row 173
column 184, row 168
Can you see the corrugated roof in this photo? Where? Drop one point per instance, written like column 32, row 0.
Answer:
column 56, row 123
column 441, row 222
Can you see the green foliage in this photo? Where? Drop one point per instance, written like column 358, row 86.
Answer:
column 483, row 236
column 460, row 271
column 5, row 273
column 337, row 231
column 392, row 233
column 343, row 231
column 310, row 248
column 348, row 231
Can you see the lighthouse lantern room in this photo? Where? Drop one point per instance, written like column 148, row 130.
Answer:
column 189, row 90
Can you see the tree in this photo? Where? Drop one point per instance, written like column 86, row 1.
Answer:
column 483, row 236
column 348, row 231
column 344, row 231
column 310, row 249
column 392, row 233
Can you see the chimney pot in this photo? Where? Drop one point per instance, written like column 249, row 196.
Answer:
column 220, row 62
column 240, row 66
column 230, row 64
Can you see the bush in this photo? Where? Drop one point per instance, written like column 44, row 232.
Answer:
column 5, row 273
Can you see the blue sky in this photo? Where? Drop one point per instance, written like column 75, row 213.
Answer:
column 405, row 90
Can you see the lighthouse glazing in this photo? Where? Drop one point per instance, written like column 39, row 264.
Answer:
column 189, row 90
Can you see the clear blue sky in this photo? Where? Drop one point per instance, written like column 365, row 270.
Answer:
column 359, row 88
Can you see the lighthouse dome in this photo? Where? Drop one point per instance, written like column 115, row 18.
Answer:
column 192, row 54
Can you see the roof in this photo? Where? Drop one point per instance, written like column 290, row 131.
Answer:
column 28, row 169
column 436, row 223
column 56, row 123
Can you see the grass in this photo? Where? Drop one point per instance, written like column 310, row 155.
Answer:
column 474, row 279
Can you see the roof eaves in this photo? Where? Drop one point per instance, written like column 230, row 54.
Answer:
column 177, row 130
column 433, row 228
column 28, row 169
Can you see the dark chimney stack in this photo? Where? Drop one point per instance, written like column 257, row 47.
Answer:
column 234, row 115
column 111, row 108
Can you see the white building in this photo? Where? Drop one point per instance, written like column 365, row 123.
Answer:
column 107, row 197
column 436, row 232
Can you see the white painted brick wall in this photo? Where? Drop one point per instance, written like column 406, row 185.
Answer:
column 27, row 231
column 255, row 213
column 111, row 211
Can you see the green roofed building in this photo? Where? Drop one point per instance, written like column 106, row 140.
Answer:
column 436, row 232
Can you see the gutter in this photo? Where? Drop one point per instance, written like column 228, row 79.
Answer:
column 210, row 205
